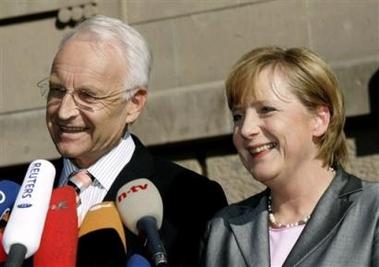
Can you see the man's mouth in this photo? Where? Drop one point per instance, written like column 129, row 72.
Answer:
column 71, row 129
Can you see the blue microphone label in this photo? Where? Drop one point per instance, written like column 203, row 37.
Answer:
column 24, row 205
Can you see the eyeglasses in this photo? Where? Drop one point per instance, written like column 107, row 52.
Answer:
column 83, row 98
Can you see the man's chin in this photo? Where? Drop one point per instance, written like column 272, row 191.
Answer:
column 68, row 152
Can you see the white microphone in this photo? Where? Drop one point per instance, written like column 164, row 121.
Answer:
column 141, row 209
column 23, row 232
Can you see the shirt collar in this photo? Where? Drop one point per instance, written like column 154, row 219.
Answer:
column 106, row 169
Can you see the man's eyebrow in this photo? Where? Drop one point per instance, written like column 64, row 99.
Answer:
column 86, row 87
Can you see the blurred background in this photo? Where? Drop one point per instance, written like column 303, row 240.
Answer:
column 194, row 45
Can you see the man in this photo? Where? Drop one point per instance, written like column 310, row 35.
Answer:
column 97, row 88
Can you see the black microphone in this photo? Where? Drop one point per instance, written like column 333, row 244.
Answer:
column 141, row 209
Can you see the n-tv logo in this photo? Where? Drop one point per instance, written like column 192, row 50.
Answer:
column 133, row 189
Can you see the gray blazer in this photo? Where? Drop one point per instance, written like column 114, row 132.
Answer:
column 343, row 230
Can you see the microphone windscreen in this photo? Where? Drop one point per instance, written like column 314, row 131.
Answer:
column 3, row 255
column 59, row 240
column 101, row 237
column 27, row 219
column 8, row 194
column 137, row 260
column 138, row 199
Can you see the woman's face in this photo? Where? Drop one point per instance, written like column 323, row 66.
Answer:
column 273, row 132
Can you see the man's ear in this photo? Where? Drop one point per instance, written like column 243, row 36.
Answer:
column 136, row 104
column 321, row 121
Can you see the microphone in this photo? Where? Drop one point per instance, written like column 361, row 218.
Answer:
column 101, row 237
column 59, row 239
column 22, row 234
column 8, row 194
column 137, row 261
column 141, row 209
column 3, row 255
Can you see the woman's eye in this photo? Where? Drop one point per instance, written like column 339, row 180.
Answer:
column 237, row 117
column 266, row 110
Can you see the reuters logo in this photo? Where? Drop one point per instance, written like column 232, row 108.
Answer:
column 24, row 205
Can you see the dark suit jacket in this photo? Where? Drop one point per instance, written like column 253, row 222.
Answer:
column 189, row 201
column 343, row 230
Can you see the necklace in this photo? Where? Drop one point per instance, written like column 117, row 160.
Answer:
column 277, row 224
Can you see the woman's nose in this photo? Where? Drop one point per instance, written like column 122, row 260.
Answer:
column 250, row 126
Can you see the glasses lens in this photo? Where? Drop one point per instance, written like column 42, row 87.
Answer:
column 54, row 93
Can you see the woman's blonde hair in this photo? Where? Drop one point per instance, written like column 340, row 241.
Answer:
column 311, row 80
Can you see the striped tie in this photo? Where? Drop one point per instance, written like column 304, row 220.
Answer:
column 80, row 180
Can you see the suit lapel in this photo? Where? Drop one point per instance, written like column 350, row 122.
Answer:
column 326, row 218
column 141, row 165
column 251, row 234
column 58, row 164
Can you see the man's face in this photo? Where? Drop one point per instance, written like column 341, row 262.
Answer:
column 81, row 134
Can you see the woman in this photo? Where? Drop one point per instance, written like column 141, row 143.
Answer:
column 288, row 114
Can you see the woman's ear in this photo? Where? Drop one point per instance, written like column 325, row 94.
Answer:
column 136, row 104
column 321, row 121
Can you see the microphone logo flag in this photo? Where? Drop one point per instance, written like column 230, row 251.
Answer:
column 132, row 189
column 61, row 205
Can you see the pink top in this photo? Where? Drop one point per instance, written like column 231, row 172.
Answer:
column 281, row 242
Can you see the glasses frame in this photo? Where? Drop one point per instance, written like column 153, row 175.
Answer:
column 44, row 87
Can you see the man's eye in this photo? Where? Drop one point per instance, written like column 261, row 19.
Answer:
column 57, row 90
column 86, row 96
